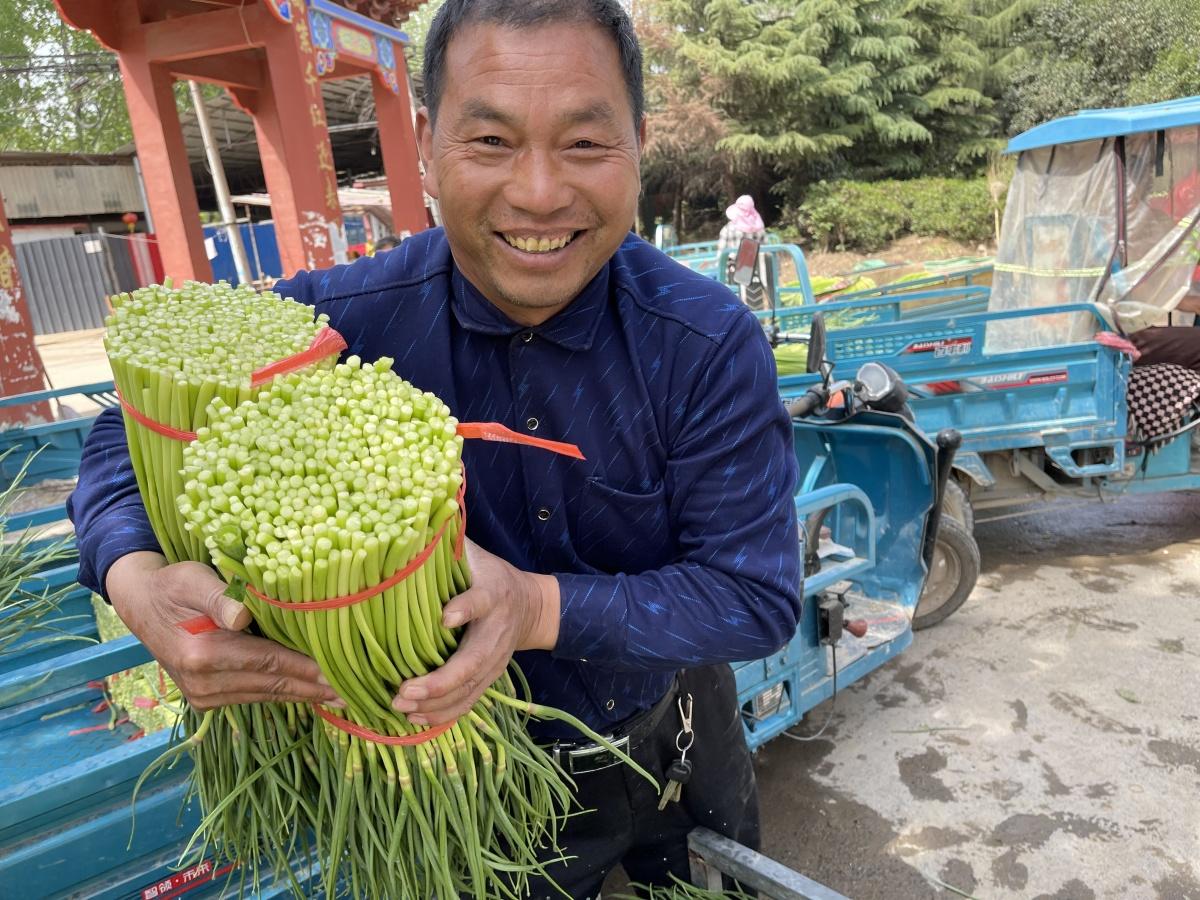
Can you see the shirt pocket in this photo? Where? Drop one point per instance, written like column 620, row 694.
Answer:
column 618, row 531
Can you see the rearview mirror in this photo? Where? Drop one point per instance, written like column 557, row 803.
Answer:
column 816, row 344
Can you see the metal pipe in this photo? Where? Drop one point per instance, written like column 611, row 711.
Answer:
column 220, row 186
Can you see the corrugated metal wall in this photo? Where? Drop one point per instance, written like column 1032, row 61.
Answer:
column 66, row 284
column 39, row 192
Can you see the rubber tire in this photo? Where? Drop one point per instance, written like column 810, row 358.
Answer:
column 957, row 505
column 958, row 545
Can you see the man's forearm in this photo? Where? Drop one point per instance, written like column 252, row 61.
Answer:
column 105, row 507
column 679, row 616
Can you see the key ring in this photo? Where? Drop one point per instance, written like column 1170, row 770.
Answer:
column 686, row 719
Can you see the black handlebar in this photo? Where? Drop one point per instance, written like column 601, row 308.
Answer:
column 805, row 405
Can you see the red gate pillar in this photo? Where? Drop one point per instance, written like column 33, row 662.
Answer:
column 398, row 146
column 289, row 117
column 169, row 188
column 20, row 364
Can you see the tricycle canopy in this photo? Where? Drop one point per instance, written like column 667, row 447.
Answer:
column 1102, row 209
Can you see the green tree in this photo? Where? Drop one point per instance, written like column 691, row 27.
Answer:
column 59, row 89
column 1101, row 53
column 817, row 88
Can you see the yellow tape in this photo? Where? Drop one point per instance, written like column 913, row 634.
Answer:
column 1049, row 273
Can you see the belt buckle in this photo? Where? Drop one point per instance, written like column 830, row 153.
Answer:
column 592, row 758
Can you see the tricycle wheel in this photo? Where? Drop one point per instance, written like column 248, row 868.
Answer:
column 957, row 506
column 952, row 575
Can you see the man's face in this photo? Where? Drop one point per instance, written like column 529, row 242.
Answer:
column 534, row 161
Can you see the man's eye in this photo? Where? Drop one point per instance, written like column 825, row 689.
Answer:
column 491, row 141
column 585, row 145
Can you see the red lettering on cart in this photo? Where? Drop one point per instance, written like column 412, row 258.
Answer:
column 1020, row 379
column 182, row 882
column 956, row 346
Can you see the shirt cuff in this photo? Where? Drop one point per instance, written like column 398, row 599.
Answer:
column 122, row 538
column 592, row 617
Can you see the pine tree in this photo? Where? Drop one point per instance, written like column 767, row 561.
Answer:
column 815, row 88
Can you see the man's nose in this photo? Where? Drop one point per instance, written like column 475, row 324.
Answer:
column 538, row 185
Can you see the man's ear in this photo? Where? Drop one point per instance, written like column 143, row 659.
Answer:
column 425, row 145
column 641, row 132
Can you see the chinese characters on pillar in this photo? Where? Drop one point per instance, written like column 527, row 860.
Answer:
column 20, row 365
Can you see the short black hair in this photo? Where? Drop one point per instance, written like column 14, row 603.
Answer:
column 608, row 14
column 387, row 242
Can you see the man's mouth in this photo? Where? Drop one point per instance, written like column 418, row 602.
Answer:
column 538, row 243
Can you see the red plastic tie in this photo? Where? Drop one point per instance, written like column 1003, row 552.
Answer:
column 199, row 625
column 462, row 514
column 100, row 707
column 156, row 427
column 365, row 594
column 324, row 343
column 494, row 431
column 366, row 734
column 393, row 580
column 145, row 702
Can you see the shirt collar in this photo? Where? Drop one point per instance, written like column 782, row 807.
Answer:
column 573, row 328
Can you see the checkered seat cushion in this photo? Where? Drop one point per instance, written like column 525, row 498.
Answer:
column 1160, row 399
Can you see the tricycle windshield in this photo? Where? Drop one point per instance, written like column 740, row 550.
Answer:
column 1112, row 221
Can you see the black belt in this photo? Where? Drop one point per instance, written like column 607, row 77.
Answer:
column 580, row 758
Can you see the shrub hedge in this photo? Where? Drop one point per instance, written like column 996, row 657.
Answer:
column 862, row 215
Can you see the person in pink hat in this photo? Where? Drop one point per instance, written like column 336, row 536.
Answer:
column 744, row 222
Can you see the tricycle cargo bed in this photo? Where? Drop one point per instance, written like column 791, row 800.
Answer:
column 1063, row 398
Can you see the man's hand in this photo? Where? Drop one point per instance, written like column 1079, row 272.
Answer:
column 507, row 610
column 216, row 668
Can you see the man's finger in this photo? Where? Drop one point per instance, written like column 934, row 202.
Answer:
column 247, row 653
column 225, row 611
column 463, row 673
column 468, row 606
column 289, row 692
column 453, row 706
column 239, row 663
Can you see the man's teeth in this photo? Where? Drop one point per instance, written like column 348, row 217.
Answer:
column 539, row 245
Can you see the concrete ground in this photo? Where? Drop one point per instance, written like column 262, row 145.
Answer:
column 1042, row 742
column 75, row 358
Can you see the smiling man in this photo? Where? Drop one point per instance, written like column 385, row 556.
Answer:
column 623, row 583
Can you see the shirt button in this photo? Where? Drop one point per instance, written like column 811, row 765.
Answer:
column 544, row 514
column 531, row 423
column 527, row 336
column 609, row 705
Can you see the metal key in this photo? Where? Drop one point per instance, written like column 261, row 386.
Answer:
column 680, row 770
column 678, row 774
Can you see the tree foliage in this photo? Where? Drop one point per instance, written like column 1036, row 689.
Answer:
column 60, row 91
column 808, row 89
column 1101, row 53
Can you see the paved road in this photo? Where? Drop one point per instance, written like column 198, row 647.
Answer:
column 1043, row 742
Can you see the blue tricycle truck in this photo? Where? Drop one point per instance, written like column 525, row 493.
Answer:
column 1100, row 240
column 868, row 503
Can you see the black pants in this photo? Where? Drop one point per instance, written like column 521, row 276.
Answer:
column 623, row 825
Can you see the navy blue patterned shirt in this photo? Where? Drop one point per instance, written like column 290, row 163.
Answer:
column 675, row 542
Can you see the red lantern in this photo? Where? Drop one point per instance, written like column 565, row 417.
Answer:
column 130, row 220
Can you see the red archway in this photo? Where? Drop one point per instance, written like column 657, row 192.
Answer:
column 271, row 55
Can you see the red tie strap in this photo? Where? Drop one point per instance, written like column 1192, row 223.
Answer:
column 410, row 740
column 494, row 431
column 392, row 581
column 325, row 342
